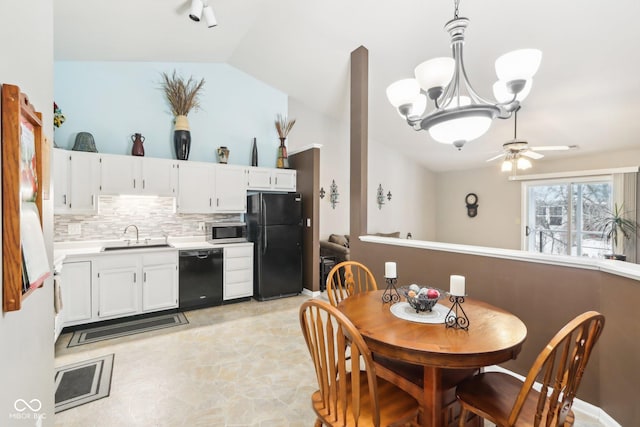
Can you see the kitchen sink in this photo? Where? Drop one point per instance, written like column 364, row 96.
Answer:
column 136, row 246
column 144, row 243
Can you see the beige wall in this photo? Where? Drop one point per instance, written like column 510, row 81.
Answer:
column 498, row 221
column 413, row 188
column 26, row 336
column 314, row 128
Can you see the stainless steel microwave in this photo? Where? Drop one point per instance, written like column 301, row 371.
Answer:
column 226, row 232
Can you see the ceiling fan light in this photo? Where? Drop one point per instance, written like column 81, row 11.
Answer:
column 502, row 94
column 519, row 64
column 506, row 166
column 523, row 163
column 196, row 10
column 403, row 92
column 461, row 129
column 436, row 72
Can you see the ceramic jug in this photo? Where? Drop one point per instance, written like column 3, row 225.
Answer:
column 223, row 154
column 138, row 148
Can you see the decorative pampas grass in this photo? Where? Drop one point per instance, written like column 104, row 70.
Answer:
column 284, row 125
column 182, row 95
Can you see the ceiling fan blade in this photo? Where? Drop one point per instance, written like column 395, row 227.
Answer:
column 495, row 157
column 554, row 147
column 532, row 154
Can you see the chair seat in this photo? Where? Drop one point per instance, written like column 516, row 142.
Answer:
column 396, row 407
column 493, row 394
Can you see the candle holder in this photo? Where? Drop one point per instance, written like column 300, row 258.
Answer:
column 456, row 317
column 391, row 293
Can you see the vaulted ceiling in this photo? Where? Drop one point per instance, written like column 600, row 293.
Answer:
column 587, row 91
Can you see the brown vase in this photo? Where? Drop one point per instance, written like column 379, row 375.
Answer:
column 283, row 159
column 138, row 148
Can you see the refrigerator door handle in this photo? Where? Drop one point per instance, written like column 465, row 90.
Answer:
column 264, row 240
column 264, row 211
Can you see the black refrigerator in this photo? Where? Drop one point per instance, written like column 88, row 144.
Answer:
column 274, row 225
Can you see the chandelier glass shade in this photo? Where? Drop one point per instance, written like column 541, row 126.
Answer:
column 459, row 114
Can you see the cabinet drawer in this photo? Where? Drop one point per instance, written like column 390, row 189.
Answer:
column 238, row 251
column 238, row 290
column 240, row 263
column 160, row 258
column 237, row 276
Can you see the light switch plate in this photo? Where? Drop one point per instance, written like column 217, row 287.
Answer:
column 74, row 229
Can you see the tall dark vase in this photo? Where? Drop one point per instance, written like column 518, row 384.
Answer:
column 182, row 143
column 182, row 138
column 254, row 153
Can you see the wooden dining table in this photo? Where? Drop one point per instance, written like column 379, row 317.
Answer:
column 429, row 360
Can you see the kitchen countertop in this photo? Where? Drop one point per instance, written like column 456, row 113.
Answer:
column 62, row 250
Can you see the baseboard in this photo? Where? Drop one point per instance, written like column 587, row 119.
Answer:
column 311, row 294
column 579, row 406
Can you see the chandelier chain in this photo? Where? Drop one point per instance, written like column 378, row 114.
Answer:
column 455, row 13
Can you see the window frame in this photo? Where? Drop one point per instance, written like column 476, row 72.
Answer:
column 524, row 192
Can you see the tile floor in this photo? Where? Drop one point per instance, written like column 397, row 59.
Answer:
column 239, row 365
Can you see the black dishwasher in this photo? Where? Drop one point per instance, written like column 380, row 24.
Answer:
column 200, row 278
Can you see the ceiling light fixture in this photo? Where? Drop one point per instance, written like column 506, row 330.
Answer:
column 195, row 12
column 200, row 7
column 460, row 114
column 209, row 17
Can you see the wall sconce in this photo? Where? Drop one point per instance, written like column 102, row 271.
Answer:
column 333, row 194
column 322, row 192
column 389, row 196
column 380, row 196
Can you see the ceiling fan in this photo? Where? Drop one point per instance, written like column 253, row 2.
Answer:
column 516, row 151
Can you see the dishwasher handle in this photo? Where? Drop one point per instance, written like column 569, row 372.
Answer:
column 199, row 253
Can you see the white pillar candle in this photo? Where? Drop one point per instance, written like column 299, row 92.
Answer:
column 456, row 285
column 390, row 270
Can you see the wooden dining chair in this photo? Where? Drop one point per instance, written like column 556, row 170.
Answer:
column 348, row 395
column 507, row 401
column 347, row 278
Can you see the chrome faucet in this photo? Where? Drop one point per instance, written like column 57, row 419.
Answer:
column 127, row 228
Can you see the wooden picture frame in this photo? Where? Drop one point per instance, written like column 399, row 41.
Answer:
column 21, row 127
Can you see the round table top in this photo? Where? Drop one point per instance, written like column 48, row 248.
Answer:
column 494, row 335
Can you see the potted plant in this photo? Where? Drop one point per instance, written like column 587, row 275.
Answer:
column 183, row 97
column 614, row 225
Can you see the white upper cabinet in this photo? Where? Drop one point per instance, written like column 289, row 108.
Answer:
column 75, row 181
column 231, row 189
column 210, row 188
column 159, row 176
column 267, row 179
column 284, row 179
column 196, row 187
column 137, row 175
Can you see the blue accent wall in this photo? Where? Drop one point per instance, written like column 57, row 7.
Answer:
column 114, row 100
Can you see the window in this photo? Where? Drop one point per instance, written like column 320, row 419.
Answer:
column 560, row 216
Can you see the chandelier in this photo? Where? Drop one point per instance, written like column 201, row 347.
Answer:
column 459, row 114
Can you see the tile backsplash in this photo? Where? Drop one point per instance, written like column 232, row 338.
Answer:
column 154, row 217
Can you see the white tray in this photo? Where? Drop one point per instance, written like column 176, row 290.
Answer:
column 404, row 311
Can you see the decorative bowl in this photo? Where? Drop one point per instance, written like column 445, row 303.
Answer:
column 417, row 297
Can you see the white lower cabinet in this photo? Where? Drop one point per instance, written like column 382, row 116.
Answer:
column 159, row 282
column 109, row 286
column 238, row 271
column 75, row 289
column 118, row 286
